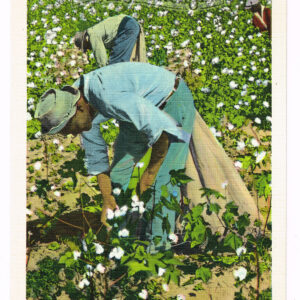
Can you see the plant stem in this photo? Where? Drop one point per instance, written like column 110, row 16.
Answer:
column 46, row 157
column 117, row 280
column 254, row 132
column 258, row 273
column 269, row 210
column 62, row 221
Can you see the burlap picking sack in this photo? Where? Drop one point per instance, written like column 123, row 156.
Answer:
column 215, row 169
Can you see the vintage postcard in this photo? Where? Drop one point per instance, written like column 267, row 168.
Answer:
column 148, row 149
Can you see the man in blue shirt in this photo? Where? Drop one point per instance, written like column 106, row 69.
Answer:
column 154, row 109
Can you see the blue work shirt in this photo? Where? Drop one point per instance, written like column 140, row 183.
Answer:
column 131, row 93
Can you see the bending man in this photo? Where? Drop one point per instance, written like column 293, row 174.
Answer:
column 121, row 34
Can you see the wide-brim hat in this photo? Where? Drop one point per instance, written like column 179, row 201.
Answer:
column 56, row 107
column 250, row 3
column 79, row 39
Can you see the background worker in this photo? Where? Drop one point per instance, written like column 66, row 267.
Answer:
column 154, row 109
column 121, row 34
column 261, row 15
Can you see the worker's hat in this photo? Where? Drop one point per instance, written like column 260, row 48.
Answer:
column 56, row 107
column 79, row 39
column 250, row 3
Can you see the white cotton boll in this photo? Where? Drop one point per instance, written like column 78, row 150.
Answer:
column 28, row 116
column 230, row 126
column 265, row 82
column 55, row 141
column 215, row 60
column 197, row 71
column 143, row 294
column 123, row 233
column 76, row 254
column 161, row 271
column 109, row 214
column 116, row 191
column 240, row 146
column 141, row 207
column 257, row 120
column 233, row 85
column 173, row 237
column 135, row 198
column 37, row 165
column 33, row 189
column 57, row 194
column 254, row 142
column 268, row 118
column 241, row 273
column 240, row 251
column 243, row 93
column 198, row 45
column 100, row 268
column 236, row 106
column 28, row 212
column 117, row 253
column 260, row 156
column 61, row 148
column 81, row 285
column 238, row 164
column 215, row 77
column 185, row 43
column 221, row 104
column 98, row 248
column 251, row 79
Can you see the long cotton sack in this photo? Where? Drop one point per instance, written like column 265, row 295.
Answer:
column 210, row 167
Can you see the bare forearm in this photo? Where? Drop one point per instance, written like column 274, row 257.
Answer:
column 159, row 152
column 104, row 183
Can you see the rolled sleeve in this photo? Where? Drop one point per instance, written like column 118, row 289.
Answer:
column 146, row 117
column 96, row 157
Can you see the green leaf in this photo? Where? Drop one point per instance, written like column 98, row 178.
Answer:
column 92, row 209
column 65, row 257
column 157, row 240
column 242, row 222
column 135, row 266
column 228, row 218
column 214, row 207
column 54, row 246
column 90, row 237
column 175, row 275
column 233, row 241
column 198, row 287
column 164, row 191
column 197, row 211
column 199, row 233
column 166, row 225
column 204, row 274
column 232, row 207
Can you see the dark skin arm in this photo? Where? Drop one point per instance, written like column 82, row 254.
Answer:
column 159, row 152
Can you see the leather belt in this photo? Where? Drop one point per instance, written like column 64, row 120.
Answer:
column 176, row 84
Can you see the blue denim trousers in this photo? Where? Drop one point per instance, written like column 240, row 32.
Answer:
column 181, row 107
column 125, row 40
